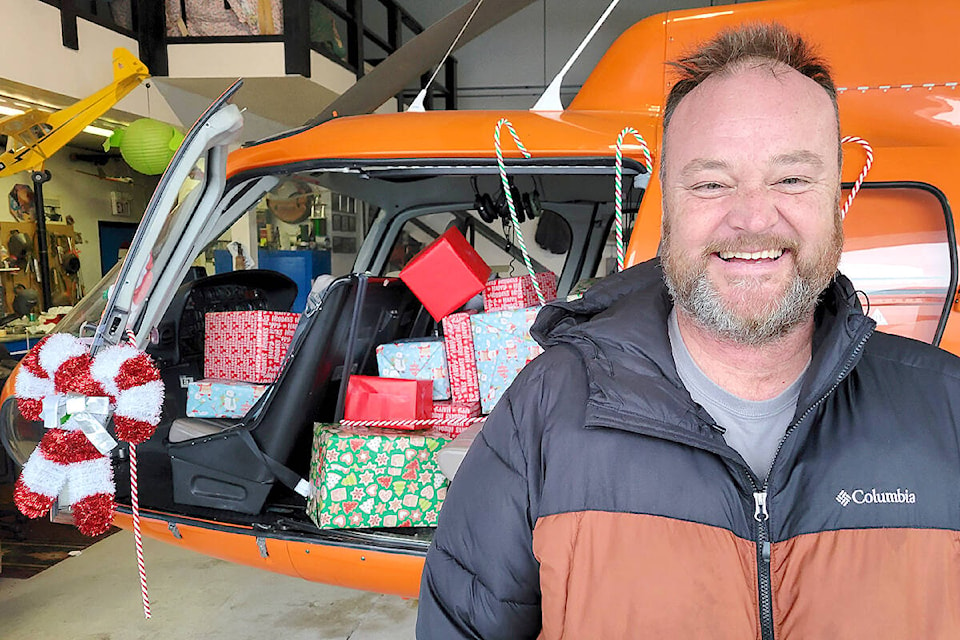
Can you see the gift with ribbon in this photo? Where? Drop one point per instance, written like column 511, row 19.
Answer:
column 89, row 414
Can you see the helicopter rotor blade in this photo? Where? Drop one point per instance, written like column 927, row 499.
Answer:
column 417, row 56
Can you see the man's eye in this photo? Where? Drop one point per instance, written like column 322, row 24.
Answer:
column 794, row 181
column 707, row 186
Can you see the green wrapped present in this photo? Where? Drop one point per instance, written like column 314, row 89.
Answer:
column 363, row 477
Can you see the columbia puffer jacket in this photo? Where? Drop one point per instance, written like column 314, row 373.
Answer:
column 601, row 502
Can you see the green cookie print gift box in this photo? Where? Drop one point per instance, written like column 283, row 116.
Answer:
column 366, row 477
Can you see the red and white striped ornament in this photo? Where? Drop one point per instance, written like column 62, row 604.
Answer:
column 406, row 424
column 867, row 163
column 66, row 464
column 135, row 510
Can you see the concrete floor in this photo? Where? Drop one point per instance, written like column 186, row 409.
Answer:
column 96, row 596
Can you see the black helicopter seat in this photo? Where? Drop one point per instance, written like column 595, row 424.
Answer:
column 234, row 464
column 178, row 351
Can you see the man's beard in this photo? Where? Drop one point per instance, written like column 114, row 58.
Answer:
column 693, row 291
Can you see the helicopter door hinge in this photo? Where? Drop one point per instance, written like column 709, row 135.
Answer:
column 175, row 530
column 262, row 545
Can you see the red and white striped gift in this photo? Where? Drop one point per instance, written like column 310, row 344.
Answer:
column 246, row 345
column 461, row 359
column 507, row 294
column 457, row 413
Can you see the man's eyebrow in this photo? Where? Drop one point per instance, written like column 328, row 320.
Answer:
column 799, row 157
column 703, row 164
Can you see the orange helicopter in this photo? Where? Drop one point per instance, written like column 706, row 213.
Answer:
column 227, row 487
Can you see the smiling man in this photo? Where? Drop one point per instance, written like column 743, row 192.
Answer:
column 751, row 230
column 717, row 444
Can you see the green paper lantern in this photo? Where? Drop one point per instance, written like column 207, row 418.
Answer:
column 147, row 145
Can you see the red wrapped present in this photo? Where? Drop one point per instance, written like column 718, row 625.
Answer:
column 446, row 274
column 246, row 345
column 461, row 359
column 456, row 413
column 507, row 294
column 373, row 399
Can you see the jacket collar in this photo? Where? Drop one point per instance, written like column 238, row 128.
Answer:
column 619, row 328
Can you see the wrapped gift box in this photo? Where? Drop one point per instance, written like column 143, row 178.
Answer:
column 503, row 346
column 516, row 293
column 461, row 361
column 371, row 399
column 446, row 274
column 222, row 398
column 416, row 360
column 455, row 412
column 246, row 345
column 375, row 478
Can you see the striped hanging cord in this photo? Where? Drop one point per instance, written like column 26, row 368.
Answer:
column 618, row 196
column 135, row 509
column 863, row 172
column 399, row 424
column 510, row 203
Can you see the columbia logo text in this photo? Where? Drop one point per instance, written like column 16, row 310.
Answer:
column 872, row 496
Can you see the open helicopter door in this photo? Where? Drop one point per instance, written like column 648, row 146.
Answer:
column 177, row 221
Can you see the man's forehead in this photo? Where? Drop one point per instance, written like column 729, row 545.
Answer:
column 758, row 94
column 788, row 159
column 746, row 81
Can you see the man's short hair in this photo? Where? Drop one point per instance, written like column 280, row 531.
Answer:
column 769, row 43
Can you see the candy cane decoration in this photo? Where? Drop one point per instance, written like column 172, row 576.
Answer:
column 74, row 393
column 509, row 195
column 618, row 196
column 137, row 534
column 863, row 173
column 135, row 510
column 407, row 424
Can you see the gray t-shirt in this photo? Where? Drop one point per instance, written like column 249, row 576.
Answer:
column 754, row 428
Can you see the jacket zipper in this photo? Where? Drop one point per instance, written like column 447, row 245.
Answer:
column 762, row 516
column 763, row 564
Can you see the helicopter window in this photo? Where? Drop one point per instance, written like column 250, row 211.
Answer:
column 496, row 242
column 901, row 257
column 608, row 259
column 375, row 219
column 303, row 227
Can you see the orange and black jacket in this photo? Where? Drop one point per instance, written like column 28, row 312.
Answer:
column 600, row 501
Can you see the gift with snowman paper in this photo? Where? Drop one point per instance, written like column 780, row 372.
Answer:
column 211, row 398
column 416, row 359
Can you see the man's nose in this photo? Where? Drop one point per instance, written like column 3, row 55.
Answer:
column 753, row 209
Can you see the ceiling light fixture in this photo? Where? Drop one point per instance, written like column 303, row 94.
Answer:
column 98, row 131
